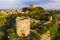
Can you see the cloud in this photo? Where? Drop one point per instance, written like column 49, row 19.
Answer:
column 38, row 2
column 56, row 0
column 47, row 4
column 6, row 4
column 52, row 5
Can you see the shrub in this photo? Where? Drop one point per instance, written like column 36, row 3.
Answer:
column 54, row 30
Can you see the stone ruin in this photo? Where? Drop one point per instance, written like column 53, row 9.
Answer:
column 50, row 19
column 23, row 26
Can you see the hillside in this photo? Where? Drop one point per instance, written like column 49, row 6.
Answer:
column 44, row 24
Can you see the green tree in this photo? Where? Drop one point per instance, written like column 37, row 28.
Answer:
column 26, row 9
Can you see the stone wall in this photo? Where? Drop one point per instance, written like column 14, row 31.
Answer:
column 23, row 26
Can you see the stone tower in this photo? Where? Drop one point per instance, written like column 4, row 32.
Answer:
column 23, row 26
column 32, row 6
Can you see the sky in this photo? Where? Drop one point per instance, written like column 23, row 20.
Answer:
column 46, row 4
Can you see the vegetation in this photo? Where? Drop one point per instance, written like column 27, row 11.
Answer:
column 8, row 30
